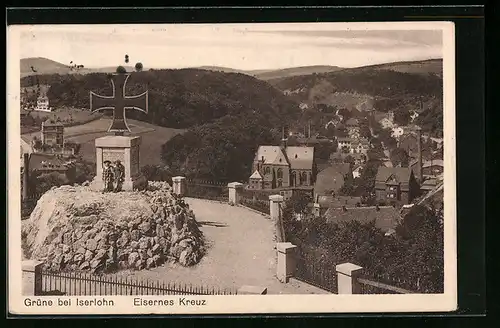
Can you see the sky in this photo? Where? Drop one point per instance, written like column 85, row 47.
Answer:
column 238, row 46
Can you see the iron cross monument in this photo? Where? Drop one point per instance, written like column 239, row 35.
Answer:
column 119, row 102
column 119, row 147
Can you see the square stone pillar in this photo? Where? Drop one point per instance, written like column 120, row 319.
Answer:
column 126, row 150
column 32, row 270
column 235, row 189
column 252, row 290
column 179, row 185
column 286, row 261
column 347, row 278
column 275, row 202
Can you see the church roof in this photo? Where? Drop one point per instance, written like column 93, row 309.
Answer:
column 256, row 175
column 271, row 155
column 300, row 158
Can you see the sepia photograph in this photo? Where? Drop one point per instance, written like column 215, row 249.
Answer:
column 188, row 168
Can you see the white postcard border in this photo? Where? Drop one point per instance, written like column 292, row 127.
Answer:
column 245, row 303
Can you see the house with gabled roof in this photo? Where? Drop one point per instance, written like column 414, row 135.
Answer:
column 396, row 185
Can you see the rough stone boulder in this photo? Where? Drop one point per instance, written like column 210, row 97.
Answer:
column 74, row 228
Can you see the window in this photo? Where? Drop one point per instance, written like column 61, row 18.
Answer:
column 279, row 173
column 294, row 178
column 280, row 183
column 267, row 170
column 304, row 179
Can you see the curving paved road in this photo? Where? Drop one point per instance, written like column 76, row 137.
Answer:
column 241, row 252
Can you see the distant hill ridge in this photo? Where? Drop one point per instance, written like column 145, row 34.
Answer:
column 48, row 66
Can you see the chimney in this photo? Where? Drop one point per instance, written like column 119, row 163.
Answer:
column 26, row 173
column 419, row 154
column 283, row 139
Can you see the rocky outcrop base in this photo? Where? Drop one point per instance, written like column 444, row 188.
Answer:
column 77, row 229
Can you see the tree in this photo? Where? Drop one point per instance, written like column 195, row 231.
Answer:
column 36, row 143
column 388, row 140
column 341, row 132
column 138, row 67
column 364, row 129
column 402, row 117
column 348, row 188
column 399, row 157
column 349, row 159
column 121, row 70
column 299, row 202
column 41, row 183
column 84, row 171
column 366, row 185
column 376, row 153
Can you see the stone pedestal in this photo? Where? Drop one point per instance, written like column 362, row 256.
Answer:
column 179, row 185
column 347, row 278
column 275, row 202
column 32, row 271
column 235, row 189
column 125, row 149
column 286, row 261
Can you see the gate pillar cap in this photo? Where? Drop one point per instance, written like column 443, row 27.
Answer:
column 31, row 265
column 285, row 247
column 347, row 268
column 276, row 198
column 235, row 185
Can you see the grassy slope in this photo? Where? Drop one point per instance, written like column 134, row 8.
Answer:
column 153, row 137
column 325, row 88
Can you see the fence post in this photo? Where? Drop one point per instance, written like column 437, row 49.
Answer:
column 252, row 290
column 347, row 278
column 286, row 261
column 179, row 185
column 234, row 192
column 32, row 269
column 275, row 206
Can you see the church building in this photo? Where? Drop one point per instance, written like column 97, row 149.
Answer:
column 282, row 166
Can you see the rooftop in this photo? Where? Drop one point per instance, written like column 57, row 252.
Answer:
column 47, row 162
column 385, row 217
column 331, row 179
column 401, row 174
column 300, row 158
column 337, row 201
column 51, row 122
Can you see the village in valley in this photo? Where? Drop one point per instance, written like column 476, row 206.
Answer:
column 341, row 167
